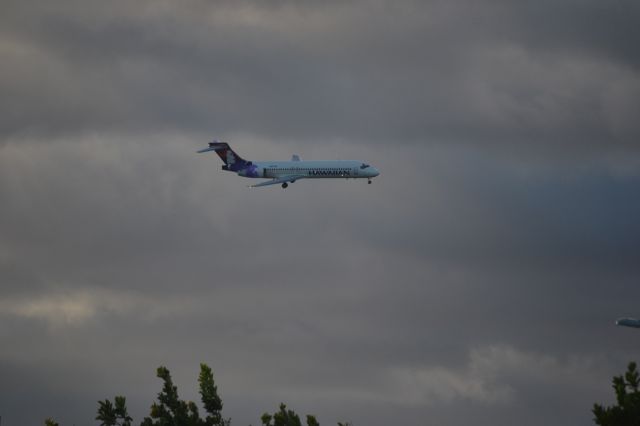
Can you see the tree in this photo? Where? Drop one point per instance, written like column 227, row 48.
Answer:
column 311, row 420
column 210, row 398
column 286, row 417
column 114, row 414
column 627, row 410
column 171, row 410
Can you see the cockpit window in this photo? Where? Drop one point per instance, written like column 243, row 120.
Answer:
column 364, row 166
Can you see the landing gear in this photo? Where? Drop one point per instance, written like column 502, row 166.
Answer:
column 369, row 181
column 284, row 185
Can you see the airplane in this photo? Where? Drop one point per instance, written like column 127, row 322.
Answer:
column 628, row 322
column 286, row 172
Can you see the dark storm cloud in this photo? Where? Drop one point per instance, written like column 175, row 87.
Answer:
column 591, row 28
column 418, row 71
column 552, row 216
column 478, row 277
column 142, row 250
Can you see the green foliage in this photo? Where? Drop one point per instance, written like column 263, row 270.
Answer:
column 171, row 410
column 106, row 413
column 113, row 414
column 286, row 417
column 311, row 420
column 627, row 410
column 210, row 398
column 283, row 417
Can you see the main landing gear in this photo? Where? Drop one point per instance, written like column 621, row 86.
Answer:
column 284, row 185
column 369, row 181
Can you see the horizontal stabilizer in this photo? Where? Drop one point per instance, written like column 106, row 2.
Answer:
column 215, row 146
column 200, row 151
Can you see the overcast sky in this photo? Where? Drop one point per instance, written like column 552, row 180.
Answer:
column 476, row 281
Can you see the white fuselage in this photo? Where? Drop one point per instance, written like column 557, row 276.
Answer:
column 285, row 172
column 315, row 169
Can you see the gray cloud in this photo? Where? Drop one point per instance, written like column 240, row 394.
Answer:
column 416, row 71
column 478, row 277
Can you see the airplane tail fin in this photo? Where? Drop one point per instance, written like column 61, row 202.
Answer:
column 232, row 161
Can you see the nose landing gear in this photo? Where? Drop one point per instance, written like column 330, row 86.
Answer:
column 369, row 181
column 284, row 185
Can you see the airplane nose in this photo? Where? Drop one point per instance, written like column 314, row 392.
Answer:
column 374, row 172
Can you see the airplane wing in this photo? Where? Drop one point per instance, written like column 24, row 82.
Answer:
column 281, row 179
